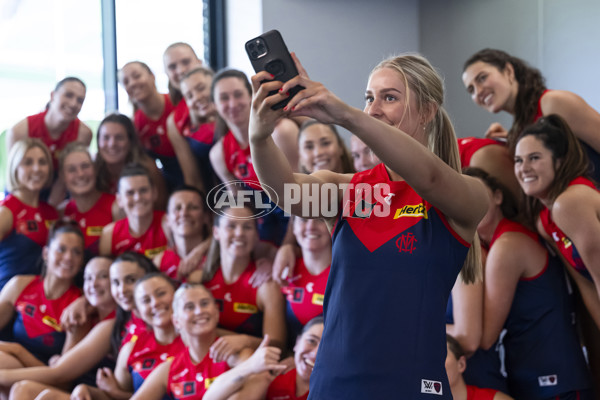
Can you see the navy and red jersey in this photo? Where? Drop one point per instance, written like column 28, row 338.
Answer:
column 147, row 354
column 238, row 309
column 543, row 355
column 564, row 244
column 37, row 323
column 485, row 368
column 469, row 145
column 135, row 326
column 38, row 129
column 283, row 387
column 304, row 296
column 239, row 162
column 21, row 248
column 150, row 243
column 92, row 221
column 475, row 393
column 153, row 133
column 390, row 279
column 181, row 115
column 188, row 380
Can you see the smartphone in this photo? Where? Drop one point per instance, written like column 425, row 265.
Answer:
column 268, row 52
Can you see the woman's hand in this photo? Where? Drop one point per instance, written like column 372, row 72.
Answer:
column 264, row 268
column 496, row 131
column 226, row 346
column 81, row 392
column 266, row 358
column 262, row 118
column 106, row 381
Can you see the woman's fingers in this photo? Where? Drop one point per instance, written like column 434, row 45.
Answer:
column 299, row 67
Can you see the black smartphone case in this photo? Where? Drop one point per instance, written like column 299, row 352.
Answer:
column 274, row 58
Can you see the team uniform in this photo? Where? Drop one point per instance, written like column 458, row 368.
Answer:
column 188, row 380
column 37, row 323
column 92, row 221
column 38, row 129
column 200, row 139
column 391, row 275
column 304, row 296
column 150, row 243
column 469, row 145
column 271, row 227
column 485, row 368
column 476, row 393
column 154, row 139
column 147, row 354
column 564, row 244
column 238, row 310
column 283, row 387
column 543, row 355
column 169, row 263
column 593, row 156
column 21, row 248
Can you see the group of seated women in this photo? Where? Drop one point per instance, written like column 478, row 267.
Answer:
column 119, row 281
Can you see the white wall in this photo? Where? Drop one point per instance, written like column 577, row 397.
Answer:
column 340, row 41
column 559, row 37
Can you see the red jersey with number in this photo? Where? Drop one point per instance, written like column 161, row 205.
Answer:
column 238, row 309
column 284, row 388
column 38, row 129
column 37, row 325
column 188, row 380
column 153, row 133
column 92, row 221
column 150, row 243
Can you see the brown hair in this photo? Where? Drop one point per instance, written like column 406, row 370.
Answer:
column 346, row 159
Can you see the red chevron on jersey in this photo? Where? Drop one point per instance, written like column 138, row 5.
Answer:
column 153, row 133
column 283, row 387
column 169, row 263
column 237, row 301
column 475, row 393
column 38, row 129
column 150, row 243
column 92, row 221
column 406, row 207
column 188, row 380
column 181, row 115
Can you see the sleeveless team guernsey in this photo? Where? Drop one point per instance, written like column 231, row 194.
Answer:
column 543, row 355
column 201, row 140
column 147, row 354
column 21, row 248
column 385, row 334
column 283, row 387
column 304, row 296
column 189, row 381
column 475, row 393
column 92, row 221
column 150, row 243
column 563, row 243
column 238, row 310
column 38, row 129
column 37, row 323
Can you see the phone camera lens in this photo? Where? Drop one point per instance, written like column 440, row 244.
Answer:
column 254, row 54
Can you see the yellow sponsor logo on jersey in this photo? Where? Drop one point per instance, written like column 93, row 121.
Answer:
column 150, row 253
column 93, row 231
column 317, row 299
column 245, row 308
column 52, row 323
column 566, row 242
column 411, row 210
column 208, row 382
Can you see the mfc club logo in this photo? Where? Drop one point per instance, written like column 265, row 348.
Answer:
column 406, row 243
column 237, row 194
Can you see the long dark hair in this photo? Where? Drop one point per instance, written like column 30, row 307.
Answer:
column 570, row 159
column 122, row 316
column 531, row 87
column 136, row 153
